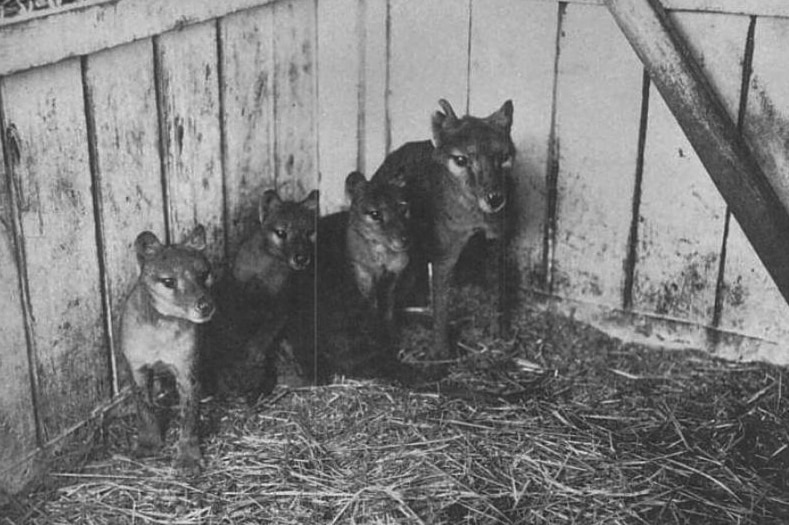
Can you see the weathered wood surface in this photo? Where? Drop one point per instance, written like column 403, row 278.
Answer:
column 505, row 33
column 295, row 111
column 57, row 224
column 704, row 120
column 189, row 113
column 682, row 214
column 248, row 117
column 127, row 161
column 597, row 124
column 338, row 107
column 428, row 61
column 83, row 31
column 374, row 121
column 17, row 411
column 752, row 302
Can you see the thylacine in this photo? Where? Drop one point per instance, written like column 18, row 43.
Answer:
column 159, row 333
column 455, row 185
column 255, row 299
column 348, row 325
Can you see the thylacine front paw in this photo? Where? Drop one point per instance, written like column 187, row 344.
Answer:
column 188, row 460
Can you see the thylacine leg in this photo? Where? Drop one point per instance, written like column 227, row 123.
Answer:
column 187, row 457
column 150, row 433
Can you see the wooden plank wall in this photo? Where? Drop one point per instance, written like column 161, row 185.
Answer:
column 618, row 224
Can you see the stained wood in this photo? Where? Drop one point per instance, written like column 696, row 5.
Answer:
column 374, row 132
column 338, row 97
column 248, row 116
column 127, row 160
column 57, row 224
column 189, row 108
column 295, row 110
column 505, row 34
column 17, row 421
column 753, row 303
column 598, row 116
column 703, row 118
column 83, row 31
column 428, row 61
column 682, row 213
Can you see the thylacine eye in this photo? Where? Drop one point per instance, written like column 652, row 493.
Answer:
column 168, row 282
column 460, row 160
column 282, row 234
column 505, row 158
column 375, row 215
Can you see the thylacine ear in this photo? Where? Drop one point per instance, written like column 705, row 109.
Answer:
column 354, row 183
column 269, row 202
column 440, row 121
column 502, row 117
column 146, row 246
column 196, row 239
column 311, row 201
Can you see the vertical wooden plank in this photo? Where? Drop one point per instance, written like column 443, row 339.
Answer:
column 57, row 222
column 513, row 46
column 127, row 158
column 296, row 95
column 752, row 302
column 375, row 40
column 682, row 212
column 17, row 421
column 190, row 111
column 338, row 97
column 428, row 61
column 597, row 121
column 248, row 84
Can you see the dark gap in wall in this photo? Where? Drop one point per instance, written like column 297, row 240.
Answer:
column 222, row 85
column 162, row 117
column 361, row 86
column 98, row 221
column 552, row 169
column 388, row 81
column 632, row 240
column 11, row 154
column 747, row 70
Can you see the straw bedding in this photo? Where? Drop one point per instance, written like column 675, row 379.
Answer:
column 559, row 424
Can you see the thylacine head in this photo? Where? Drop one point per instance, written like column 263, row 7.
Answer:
column 477, row 152
column 176, row 276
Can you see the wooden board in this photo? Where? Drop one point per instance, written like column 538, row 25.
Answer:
column 295, row 111
column 752, row 303
column 17, row 416
column 57, row 221
column 598, row 115
column 338, row 97
column 682, row 213
column 127, row 159
column 87, row 30
column 428, row 61
column 189, row 89
column 374, row 126
column 504, row 65
column 248, row 117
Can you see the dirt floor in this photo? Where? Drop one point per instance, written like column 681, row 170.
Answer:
column 558, row 424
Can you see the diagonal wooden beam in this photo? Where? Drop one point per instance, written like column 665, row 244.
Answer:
column 702, row 116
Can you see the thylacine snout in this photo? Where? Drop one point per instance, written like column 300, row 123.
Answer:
column 380, row 212
column 176, row 277
column 478, row 152
column 289, row 228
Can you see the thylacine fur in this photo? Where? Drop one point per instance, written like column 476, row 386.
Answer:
column 455, row 185
column 255, row 300
column 159, row 334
